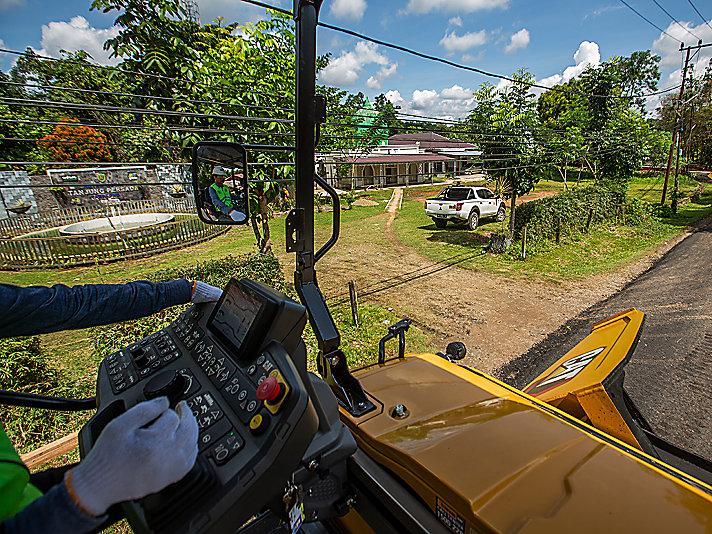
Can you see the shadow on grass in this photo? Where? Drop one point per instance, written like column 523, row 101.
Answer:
column 455, row 236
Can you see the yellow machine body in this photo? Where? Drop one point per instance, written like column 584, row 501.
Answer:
column 486, row 457
column 580, row 383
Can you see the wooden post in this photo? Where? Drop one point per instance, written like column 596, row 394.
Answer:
column 354, row 303
column 558, row 230
column 524, row 243
column 588, row 220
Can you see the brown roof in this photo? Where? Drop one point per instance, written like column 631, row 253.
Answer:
column 400, row 158
column 428, row 140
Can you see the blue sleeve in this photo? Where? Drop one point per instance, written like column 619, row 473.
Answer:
column 54, row 512
column 219, row 204
column 38, row 310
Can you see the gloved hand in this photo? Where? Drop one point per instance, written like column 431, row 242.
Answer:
column 237, row 216
column 140, row 452
column 203, row 292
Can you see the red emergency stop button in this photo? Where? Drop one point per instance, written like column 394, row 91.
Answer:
column 269, row 390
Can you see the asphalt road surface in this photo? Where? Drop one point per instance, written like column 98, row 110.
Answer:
column 670, row 374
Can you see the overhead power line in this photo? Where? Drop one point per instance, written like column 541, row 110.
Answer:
column 148, row 75
column 700, row 14
column 149, row 97
column 27, row 102
column 646, row 19
column 439, row 59
column 675, row 20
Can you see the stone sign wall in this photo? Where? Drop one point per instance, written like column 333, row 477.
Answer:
column 92, row 188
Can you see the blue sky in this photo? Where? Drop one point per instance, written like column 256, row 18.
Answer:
column 553, row 39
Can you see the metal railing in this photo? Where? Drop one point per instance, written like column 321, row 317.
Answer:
column 69, row 251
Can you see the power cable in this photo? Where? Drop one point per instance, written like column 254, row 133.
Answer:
column 27, row 102
column 166, row 128
column 700, row 14
column 145, row 74
column 435, row 58
column 648, row 20
column 675, row 20
column 131, row 95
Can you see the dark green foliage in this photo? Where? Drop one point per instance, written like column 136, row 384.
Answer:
column 572, row 209
column 25, row 368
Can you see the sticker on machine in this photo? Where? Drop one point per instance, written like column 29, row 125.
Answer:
column 449, row 517
column 563, row 373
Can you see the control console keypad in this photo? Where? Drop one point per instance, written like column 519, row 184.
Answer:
column 140, row 360
column 237, row 386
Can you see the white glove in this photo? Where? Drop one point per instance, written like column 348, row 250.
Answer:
column 237, row 216
column 205, row 293
column 140, row 452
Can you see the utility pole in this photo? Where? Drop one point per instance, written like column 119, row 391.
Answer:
column 673, row 145
column 678, row 113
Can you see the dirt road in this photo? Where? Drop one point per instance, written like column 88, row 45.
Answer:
column 496, row 319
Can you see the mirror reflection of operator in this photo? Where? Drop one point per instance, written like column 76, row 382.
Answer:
column 221, row 197
column 145, row 449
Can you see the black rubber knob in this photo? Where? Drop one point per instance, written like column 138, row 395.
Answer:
column 171, row 384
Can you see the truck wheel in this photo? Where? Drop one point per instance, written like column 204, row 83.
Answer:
column 440, row 223
column 501, row 213
column 473, row 220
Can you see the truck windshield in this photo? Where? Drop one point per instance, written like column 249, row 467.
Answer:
column 456, row 193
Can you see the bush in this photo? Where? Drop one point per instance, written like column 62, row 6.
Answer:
column 572, row 208
column 25, row 368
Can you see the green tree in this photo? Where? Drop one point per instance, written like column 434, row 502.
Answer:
column 506, row 120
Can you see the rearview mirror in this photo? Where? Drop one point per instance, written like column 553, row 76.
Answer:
column 219, row 172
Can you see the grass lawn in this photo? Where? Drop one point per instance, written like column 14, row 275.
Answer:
column 605, row 248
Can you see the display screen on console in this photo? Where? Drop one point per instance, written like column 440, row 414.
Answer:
column 235, row 315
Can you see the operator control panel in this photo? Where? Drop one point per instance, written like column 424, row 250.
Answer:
column 232, row 363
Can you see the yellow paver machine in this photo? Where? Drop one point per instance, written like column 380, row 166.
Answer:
column 412, row 444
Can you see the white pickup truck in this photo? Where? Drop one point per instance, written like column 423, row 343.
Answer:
column 460, row 204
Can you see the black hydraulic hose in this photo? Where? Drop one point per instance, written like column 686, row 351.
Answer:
column 29, row 400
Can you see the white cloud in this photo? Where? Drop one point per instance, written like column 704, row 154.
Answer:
column 456, row 93
column 519, row 40
column 451, row 103
column 77, row 35
column 453, row 6
column 6, row 5
column 374, row 82
column 455, row 21
column 459, row 43
column 346, row 69
column 348, row 9
column 669, row 47
column 424, row 99
column 587, row 54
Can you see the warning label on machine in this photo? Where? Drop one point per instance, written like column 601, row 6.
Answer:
column 449, row 517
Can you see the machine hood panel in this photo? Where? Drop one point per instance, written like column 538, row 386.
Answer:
column 504, row 463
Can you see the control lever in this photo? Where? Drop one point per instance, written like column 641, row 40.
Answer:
column 169, row 383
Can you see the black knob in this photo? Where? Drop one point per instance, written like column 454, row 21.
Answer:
column 171, row 384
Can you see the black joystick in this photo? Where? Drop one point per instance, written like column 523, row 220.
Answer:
column 139, row 356
column 171, row 384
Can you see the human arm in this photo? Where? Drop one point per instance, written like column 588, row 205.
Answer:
column 39, row 309
column 139, row 453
